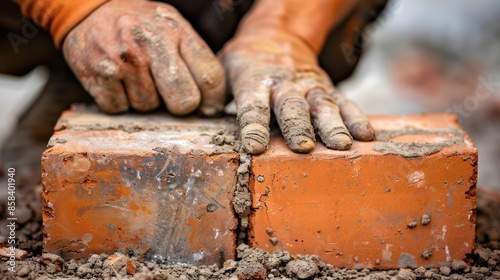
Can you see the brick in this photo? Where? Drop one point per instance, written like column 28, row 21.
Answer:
column 364, row 208
column 150, row 185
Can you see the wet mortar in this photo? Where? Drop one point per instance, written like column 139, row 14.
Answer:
column 412, row 150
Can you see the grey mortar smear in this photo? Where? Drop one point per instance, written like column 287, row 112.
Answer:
column 242, row 200
column 412, row 150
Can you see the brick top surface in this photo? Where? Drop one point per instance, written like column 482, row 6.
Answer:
column 438, row 133
column 87, row 131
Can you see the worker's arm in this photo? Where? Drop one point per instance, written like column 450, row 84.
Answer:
column 58, row 16
column 272, row 63
column 130, row 53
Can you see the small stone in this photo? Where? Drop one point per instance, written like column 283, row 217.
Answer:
column 251, row 269
column 483, row 254
column 444, row 270
column 230, row 265
column 426, row 219
column 484, row 270
column 57, row 261
column 412, row 224
column 428, row 274
column 23, row 271
column 420, row 271
column 406, row 274
column 301, row 269
column 495, row 274
column 51, row 268
column 375, row 276
column 71, row 265
column 392, row 272
column 83, row 271
column 475, row 276
column 458, row 265
column 273, row 240
column 272, row 262
column 269, row 231
column 426, row 254
column 23, row 215
column 117, row 261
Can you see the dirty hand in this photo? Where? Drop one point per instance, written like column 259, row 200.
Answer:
column 128, row 53
column 269, row 66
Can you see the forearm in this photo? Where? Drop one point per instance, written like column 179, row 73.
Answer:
column 311, row 21
column 58, row 16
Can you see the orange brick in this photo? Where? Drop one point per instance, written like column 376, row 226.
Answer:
column 150, row 185
column 356, row 208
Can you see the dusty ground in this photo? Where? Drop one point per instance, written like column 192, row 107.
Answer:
column 484, row 263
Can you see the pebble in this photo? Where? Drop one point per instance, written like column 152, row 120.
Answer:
column 458, row 265
column 444, row 270
column 406, row 274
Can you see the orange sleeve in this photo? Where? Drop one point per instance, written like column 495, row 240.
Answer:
column 58, row 16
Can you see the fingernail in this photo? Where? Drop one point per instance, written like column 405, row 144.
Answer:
column 301, row 144
column 340, row 141
column 255, row 138
column 362, row 131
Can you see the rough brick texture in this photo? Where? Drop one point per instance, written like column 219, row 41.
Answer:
column 150, row 185
column 366, row 207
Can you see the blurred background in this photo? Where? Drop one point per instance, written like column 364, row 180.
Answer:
column 416, row 56
column 436, row 56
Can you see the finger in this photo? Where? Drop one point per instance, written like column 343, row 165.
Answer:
column 137, row 77
column 292, row 112
column 174, row 81
column 358, row 124
column 141, row 90
column 327, row 120
column 207, row 73
column 252, row 101
column 108, row 94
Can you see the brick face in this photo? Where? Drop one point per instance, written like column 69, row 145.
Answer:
column 162, row 188
column 356, row 208
column 160, row 193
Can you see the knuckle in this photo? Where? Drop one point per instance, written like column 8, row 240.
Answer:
column 294, row 102
column 108, row 69
column 168, row 15
column 125, row 19
column 212, row 78
column 141, row 37
column 318, row 97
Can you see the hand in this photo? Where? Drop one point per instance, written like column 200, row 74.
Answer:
column 271, row 67
column 127, row 53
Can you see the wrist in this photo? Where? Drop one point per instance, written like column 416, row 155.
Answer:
column 309, row 21
column 59, row 16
